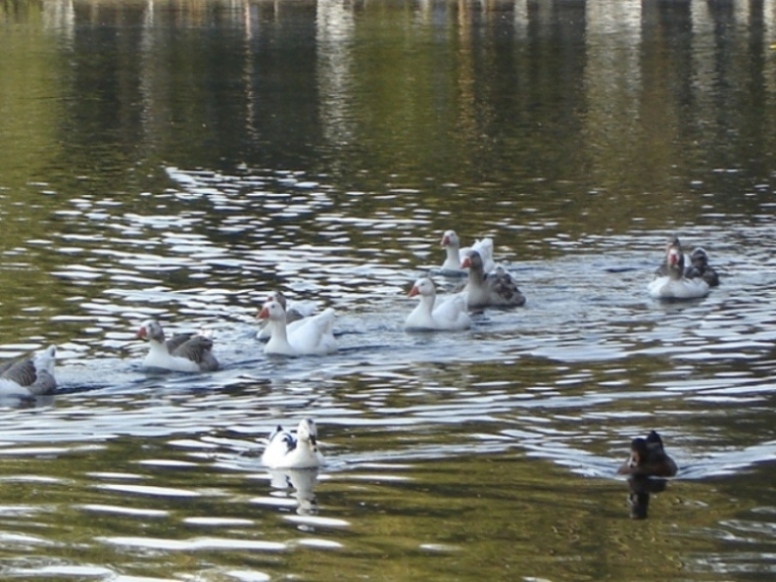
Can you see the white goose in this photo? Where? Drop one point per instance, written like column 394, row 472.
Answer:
column 430, row 315
column 32, row 375
column 181, row 353
column 295, row 312
column 286, row 450
column 494, row 289
column 452, row 245
column 312, row 336
column 670, row 282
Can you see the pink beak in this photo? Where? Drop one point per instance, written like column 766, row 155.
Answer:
column 142, row 333
column 414, row 291
column 263, row 314
column 466, row 263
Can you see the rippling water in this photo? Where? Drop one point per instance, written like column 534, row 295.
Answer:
column 490, row 452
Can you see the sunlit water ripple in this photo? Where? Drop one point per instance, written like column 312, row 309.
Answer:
column 579, row 350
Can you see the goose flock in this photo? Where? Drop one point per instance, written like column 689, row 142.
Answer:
column 298, row 330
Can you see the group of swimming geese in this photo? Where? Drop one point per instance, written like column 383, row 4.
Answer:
column 299, row 331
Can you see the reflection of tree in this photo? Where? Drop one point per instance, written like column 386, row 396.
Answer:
column 535, row 103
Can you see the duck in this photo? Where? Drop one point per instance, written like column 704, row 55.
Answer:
column 431, row 315
column 699, row 267
column 452, row 245
column 312, row 336
column 494, row 289
column 180, row 353
column 648, row 458
column 30, row 376
column 670, row 281
column 295, row 312
column 286, row 450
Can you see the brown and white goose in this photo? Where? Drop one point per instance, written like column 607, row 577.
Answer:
column 286, row 450
column 32, row 375
column 181, row 353
column 494, row 289
column 670, row 281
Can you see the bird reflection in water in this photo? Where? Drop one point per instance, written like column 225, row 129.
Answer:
column 301, row 484
column 647, row 467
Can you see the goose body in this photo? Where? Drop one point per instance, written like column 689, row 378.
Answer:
column 286, row 450
column 668, row 288
column 453, row 252
column 32, row 375
column 431, row 315
column 180, row 353
column 671, row 282
column 311, row 336
column 494, row 289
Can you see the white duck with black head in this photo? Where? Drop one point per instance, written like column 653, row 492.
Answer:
column 287, row 450
column 181, row 353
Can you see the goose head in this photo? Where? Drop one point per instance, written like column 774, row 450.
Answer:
column 272, row 310
column 699, row 259
column 151, row 330
column 423, row 286
column 307, row 431
column 473, row 261
column 674, row 262
column 450, row 239
column 279, row 297
column 674, row 255
column 46, row 359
